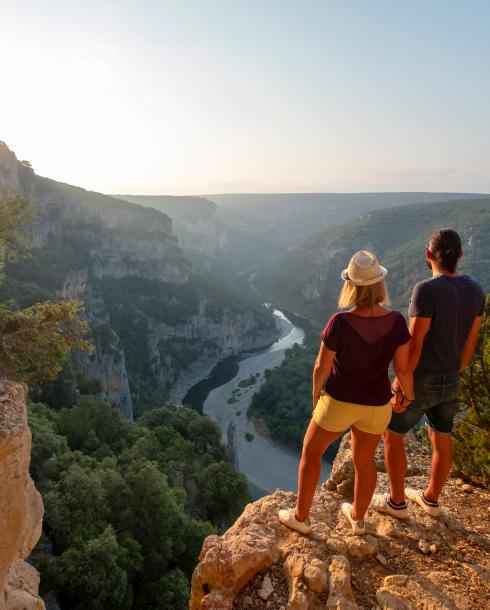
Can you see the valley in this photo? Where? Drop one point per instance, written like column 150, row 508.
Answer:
column 205, row 323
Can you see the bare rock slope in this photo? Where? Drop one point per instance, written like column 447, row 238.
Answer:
column 21, row 507
column 418, row 564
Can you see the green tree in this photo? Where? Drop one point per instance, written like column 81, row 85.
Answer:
column 92, row 576
column 222, row 493
column 472, row 430
column 76, row 506
column 155, row 518
column 33, row 340
column 170, row 592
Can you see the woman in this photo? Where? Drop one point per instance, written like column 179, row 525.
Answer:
column 351, row 387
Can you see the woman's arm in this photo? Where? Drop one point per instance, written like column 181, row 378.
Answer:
column 321, row 370
column 404, row 375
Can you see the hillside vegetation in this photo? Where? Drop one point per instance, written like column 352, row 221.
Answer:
column 308, row 280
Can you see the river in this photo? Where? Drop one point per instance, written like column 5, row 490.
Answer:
column 267, row 464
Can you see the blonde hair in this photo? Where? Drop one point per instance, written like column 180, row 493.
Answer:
column 364, row 296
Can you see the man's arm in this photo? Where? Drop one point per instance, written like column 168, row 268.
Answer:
column 419, row 327
column 471, row 343
column 321, row 370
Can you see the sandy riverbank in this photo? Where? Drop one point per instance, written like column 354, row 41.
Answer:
column 203, row 366
column 266, row 464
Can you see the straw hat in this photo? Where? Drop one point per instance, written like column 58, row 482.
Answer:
column 363, row 269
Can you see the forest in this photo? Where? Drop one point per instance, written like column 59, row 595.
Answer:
column 127, row 504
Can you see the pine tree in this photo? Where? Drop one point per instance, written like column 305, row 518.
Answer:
column 472, row 431
column 33, row 341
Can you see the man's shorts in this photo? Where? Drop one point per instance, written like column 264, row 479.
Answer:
column 337, row 416
column 436, row 397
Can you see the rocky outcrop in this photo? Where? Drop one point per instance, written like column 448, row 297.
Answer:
column 419, row 563
column 21, row 507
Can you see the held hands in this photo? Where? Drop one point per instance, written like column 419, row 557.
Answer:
column 399, row 401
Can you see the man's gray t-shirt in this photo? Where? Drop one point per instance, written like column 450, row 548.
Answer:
column 452, row 302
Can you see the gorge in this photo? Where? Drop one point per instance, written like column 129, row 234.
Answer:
column 153, row 319
column 172, row 288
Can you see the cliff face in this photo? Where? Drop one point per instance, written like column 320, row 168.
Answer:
column 106, row 362
column 211, row 245
column 21, row 507
column 419, row 563
column 154, row 322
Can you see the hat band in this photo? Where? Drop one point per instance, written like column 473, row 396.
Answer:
column 365, row 282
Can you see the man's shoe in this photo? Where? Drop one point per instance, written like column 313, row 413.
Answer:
column 417, row 495
column 384, row 504
column 358, row 527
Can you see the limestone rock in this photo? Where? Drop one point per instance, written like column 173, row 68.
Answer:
column 315, row 575
column 401, row 592
column 387, row 526
column 266, row 590
column 343, row 469
column 388, row 601
column 336, row 546
column 21, row 507
column 340, row 590
column 482, row 572
column 362, row 546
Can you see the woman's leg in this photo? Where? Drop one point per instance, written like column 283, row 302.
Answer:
column 363, row 450
column 316, row 442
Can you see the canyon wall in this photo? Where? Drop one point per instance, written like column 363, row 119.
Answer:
column 155, row 322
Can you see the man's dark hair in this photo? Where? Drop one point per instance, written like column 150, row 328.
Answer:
column 445, row 247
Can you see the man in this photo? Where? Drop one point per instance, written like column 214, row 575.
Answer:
column 446, row 312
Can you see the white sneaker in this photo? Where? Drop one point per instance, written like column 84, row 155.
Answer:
column 286, row 516
column 416, row 495
column 381, row 503
column 358, row 527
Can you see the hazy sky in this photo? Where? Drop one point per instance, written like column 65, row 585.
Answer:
column 182, row 96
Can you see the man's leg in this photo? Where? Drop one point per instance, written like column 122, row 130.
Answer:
column 441, row 421
column 442, row 459
column 394, row 450
column 396, row 464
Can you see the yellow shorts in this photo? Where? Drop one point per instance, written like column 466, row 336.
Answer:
column 337, row 416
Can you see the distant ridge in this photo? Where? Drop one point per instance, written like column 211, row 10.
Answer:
column 286, row 217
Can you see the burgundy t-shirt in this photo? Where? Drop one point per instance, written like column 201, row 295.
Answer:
column 364, row 348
